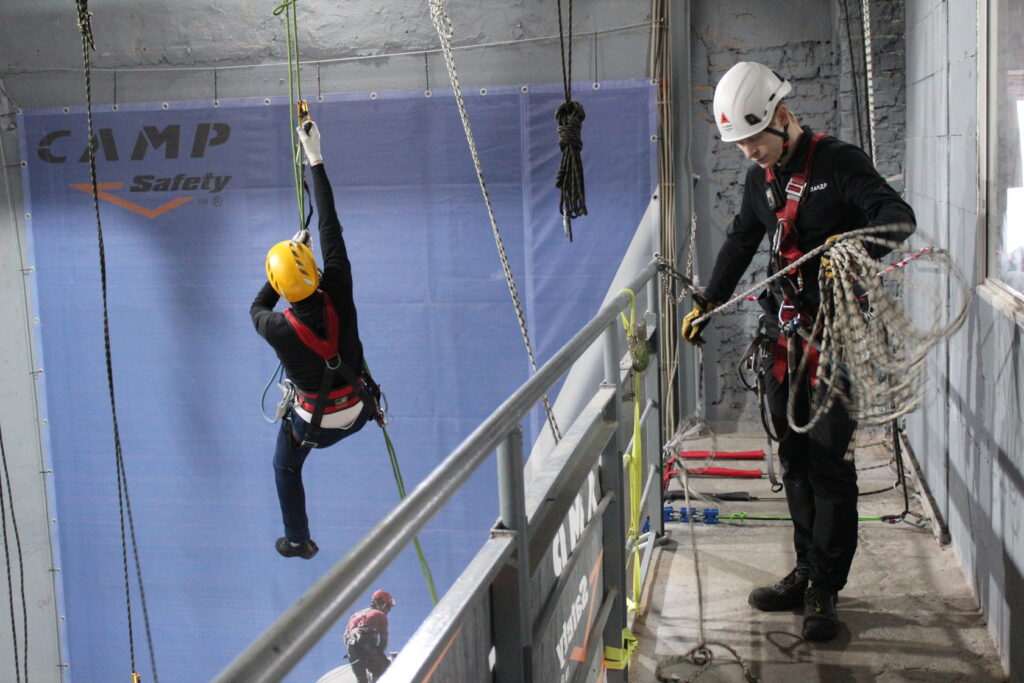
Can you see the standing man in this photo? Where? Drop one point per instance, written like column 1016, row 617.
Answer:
column 804, row 189
column 317, row 340
column 366, row 637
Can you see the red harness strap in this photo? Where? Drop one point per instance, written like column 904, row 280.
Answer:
column 786, row 250
column 343, row 397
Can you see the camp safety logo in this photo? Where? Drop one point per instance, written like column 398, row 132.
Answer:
column 54, row 148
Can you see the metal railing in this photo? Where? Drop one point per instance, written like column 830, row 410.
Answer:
column 295, row 632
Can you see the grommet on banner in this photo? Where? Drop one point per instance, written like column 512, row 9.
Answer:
column 266, row 101
column 373, row 96
column 165, row 106
column 427, row 93
column 524, row 89
column 483, row 91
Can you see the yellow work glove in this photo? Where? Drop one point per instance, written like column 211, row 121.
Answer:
column 826, row 265
column 690, row 330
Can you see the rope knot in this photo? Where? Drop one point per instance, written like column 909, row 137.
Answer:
column 569, row 179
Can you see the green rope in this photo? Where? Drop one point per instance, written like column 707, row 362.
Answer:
column 291, row 28
column 428, row 576
column 744, row 515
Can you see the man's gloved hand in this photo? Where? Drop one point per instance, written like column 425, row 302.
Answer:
column 301, row 236
column 690, row 330
column 310, row 142
column 826, row 264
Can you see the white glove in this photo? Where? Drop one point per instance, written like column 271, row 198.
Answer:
column 310, row 142
column 301, row 236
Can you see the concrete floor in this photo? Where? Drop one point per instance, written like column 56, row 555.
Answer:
column 907, row 612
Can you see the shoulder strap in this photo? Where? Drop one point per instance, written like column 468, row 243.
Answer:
column 325, row 348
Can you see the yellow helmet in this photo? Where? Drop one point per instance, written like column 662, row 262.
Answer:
column 291, row 270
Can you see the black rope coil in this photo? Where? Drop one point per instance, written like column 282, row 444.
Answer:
column 573, row 202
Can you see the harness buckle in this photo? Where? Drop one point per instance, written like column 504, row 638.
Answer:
column 795, row 189
column 337, row 362
column 308, row 444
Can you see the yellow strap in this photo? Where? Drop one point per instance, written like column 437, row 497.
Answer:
column 634, row 460
column 618, row 657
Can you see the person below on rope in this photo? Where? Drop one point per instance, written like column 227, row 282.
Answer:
column 317, row 341
column 366, row 637
column 803, row 190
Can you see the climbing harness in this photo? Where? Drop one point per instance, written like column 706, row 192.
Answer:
column 124, row 502
column 327, row 400
column 443, row 25
column 572, row 202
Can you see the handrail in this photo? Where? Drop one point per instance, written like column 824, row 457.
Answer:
column 294, row 633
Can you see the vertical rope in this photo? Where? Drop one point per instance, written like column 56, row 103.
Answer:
column 9, row 497
column 124, row 502
column 291, row 29
column 869, row 75
column 443, row 26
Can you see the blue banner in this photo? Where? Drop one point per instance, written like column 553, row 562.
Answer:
column 192, row 195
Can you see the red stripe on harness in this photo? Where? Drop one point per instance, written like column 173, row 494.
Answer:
column 788, row 249
column 325, row 348
column 336, row 400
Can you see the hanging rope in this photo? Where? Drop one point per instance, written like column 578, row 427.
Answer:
column 700, row 654
column 570, row 115
column 291, row 29
column 443, row 26
column 7, row 493
column 865, row 14
column 428, row 576
column 123, row 500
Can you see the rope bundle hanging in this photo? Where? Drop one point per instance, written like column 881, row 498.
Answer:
column 443, row 25
column 573, row 202
column 872, row 355
column 124, row 502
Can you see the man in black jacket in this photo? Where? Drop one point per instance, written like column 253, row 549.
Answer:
column 311, row 338
column 803, row 189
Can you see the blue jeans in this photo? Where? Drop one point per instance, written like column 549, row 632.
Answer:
column 288, row 459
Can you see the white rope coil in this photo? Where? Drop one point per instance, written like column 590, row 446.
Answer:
column 871, row 354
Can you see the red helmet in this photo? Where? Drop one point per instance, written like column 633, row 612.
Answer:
column 384, row 597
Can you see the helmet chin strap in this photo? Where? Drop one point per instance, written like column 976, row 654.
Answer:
column 784, row 134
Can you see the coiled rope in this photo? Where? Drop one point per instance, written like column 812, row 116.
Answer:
column 573, row 200
column 443, row 25
column 123, row 500
column 872, row 358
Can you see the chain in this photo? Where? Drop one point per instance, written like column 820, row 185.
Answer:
column 443, row 25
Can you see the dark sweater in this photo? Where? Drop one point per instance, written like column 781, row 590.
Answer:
column 844, row 192
column 304, row 367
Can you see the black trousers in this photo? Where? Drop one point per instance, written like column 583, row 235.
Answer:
column 366, row 657
column 820, row 484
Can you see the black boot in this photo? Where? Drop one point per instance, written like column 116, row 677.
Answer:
column 304, row 550
column 786, row 594
column 820, row 619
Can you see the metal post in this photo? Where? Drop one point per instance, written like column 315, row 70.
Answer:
column 510, row 594
column 613, row 520
column 655, row 438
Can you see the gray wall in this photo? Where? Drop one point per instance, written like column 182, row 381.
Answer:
column 969, row 436
column 158, row 51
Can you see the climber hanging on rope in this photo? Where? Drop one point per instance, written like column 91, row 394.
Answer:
column 804, row 190
column 317, row 340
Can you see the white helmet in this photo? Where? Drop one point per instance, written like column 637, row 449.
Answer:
column 745, row 100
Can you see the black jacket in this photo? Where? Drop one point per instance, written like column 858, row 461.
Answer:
column 844, row 192
column 304, row 367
